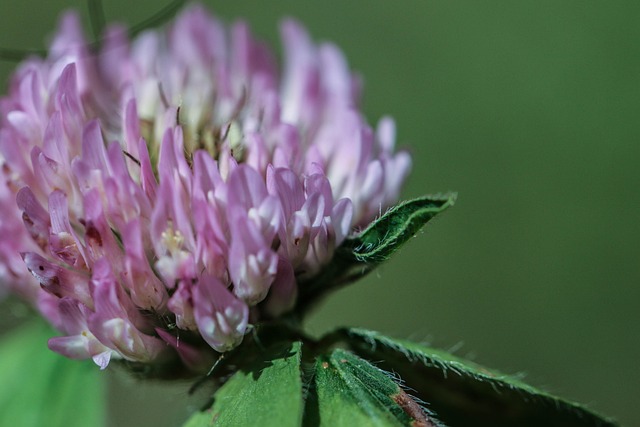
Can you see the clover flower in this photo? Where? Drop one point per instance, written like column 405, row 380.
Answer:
column 180, row 183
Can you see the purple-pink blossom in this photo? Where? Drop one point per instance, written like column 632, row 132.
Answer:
column 181, row 182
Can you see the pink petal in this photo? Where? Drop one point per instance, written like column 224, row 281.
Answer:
column 221, row 317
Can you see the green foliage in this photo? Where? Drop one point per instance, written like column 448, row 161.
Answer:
column 41, row 388
column 269, row 393
column 385, row 235
column 463, row 393
column 350, row 391
column 331, row 384
column 343, row 388
column 361, row 253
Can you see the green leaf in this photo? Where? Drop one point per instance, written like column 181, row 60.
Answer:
column 384, row 236
column 41, row 388
column 360, row 254
column 350, row 391
column 269, row 393
column 464, row 393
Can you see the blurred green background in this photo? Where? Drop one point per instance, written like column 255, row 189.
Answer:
column 530, row 111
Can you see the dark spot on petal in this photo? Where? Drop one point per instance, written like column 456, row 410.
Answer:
column 52, row 285
column 93, row 234
column 276, row 244
column 27, row 219
column 35, row 234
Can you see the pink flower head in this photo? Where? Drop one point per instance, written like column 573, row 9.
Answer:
column 179, row 183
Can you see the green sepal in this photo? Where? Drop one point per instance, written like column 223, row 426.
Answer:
column 267, row 393
column 359, row 254
column 42, row 388
column 385, row 235
column 349, row 391
column 464, row 393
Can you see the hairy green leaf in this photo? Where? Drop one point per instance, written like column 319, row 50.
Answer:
column 464, row 393
column 41, row 388
column 349, row 391
column 361, row 253
column 269, row 393
column 385, row 235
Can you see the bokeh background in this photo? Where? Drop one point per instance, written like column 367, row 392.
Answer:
column 530, row 111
